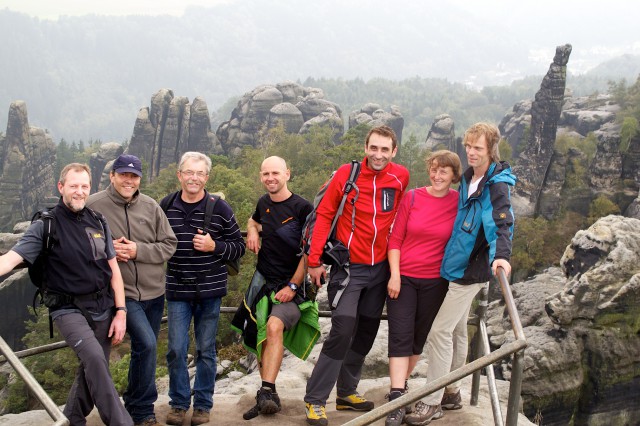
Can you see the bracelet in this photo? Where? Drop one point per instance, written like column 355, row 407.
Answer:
column 293, row 286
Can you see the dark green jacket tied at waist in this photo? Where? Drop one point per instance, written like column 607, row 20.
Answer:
column 251, row 318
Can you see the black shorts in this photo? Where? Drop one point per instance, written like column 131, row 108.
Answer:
column 411, row 315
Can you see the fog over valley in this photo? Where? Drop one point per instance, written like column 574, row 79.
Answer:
column 84, row 70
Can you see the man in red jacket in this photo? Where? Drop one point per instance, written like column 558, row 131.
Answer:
column 355, row 320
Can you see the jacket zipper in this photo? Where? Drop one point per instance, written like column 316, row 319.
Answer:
column 135, row 267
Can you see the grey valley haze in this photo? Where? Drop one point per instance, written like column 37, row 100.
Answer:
column 85, row 68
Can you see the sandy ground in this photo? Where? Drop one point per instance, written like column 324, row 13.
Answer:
column 228, row 409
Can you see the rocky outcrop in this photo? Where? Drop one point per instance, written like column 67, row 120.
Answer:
column 374, row 115
column 581, row 323
column 442, row 132
column 168, row 128
column 289, row 104
column 100, row 163
column 27, row 159
column 534, row 160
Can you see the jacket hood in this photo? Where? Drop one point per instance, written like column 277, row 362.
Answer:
column 501, row 172
column 497, row 172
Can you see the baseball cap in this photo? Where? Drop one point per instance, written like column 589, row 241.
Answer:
column 128, row 163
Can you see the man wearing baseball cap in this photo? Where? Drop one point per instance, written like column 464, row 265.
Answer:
column 144, row 241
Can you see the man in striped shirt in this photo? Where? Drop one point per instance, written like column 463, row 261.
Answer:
column 196, row 281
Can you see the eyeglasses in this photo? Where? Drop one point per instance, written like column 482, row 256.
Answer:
column 191, row 173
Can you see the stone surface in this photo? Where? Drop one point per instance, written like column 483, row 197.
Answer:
column 442, row 132
column 27, row 159
column 374, row 115
column 581, row 323
column 536, row 156
column 100, row 163
column 296, row 107
column 168, row 128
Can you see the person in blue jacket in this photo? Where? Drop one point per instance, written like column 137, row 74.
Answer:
column 479, row 245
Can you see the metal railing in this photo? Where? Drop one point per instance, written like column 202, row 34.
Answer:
column 481, row 343
column 32, row 384
column 482, row 356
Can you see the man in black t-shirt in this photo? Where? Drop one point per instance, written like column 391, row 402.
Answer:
column 279, row 216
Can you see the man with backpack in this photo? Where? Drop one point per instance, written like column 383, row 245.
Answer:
column 280, row 272
column 144, row 241
column 363, row 229
column 196, row 281
column 82, row 287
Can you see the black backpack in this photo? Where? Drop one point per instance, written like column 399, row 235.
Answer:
column 334, row 252
column 310, row 221
column 233, row 266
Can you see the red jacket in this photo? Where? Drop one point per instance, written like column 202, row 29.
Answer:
column 379, row 196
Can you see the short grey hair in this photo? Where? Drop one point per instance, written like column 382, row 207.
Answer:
column 198, row 156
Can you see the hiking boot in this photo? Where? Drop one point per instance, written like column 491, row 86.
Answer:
column 353, row 402
column 176, row 416
column 423, row 414
column 316, row 415
column 253, row 412
column 395, row 417
column 268, row 402
column 199, row 417
column 149, row 421
column 451, row 401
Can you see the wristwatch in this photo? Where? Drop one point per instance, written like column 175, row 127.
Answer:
column 293, row 286
column 121, row 308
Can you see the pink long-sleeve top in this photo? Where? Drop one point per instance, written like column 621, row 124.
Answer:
column 421, row 231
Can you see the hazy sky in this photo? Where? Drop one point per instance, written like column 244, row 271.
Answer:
column 609, row 28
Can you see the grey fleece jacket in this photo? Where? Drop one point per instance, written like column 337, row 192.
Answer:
column 142, row 221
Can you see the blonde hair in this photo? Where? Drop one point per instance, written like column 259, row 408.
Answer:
column 491, row 135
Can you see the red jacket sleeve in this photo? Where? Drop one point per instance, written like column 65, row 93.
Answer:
column 325, row 213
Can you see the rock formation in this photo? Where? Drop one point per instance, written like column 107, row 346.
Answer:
column 583, row 359
column 442, row 132
column 27, row 159
column 296, row 107
column 170, row 127
column 373, row 115
column 100, row 163
column 534, row 160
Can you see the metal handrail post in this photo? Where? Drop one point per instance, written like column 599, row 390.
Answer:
column 481, row 313
column 513, row 404
column 33, row 385
column 491, row 377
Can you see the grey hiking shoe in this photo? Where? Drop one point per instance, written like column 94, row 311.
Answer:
column 395, row 418
column 423, row 414
column 451, row 401
column 268, row 402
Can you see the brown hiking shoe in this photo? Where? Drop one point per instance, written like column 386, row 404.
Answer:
column 199, row 417
column 176, row 416
column 451, row 401
column 149, row 421
column 423, row 414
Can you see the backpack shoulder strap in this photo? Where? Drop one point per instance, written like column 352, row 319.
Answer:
column 208, row 210
column 100, row 218
column 49, row 235
column 167, row 201
column 348, row 187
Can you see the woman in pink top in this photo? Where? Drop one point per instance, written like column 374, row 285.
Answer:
column 420, row 233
